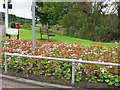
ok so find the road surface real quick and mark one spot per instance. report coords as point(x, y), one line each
point(7, 83)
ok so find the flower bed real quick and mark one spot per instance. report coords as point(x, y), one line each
point(60, 69)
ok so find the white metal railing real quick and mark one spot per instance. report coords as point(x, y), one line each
point(59, 59)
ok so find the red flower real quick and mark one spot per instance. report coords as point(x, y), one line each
point(116, 70)
point(116, 50)
point(70, 53)
point(93, 59)
point(39, 58)
point(35, 68)
point(10, 51)
point(76, 52)
point(48, 69)
point(37, 53)
point(117, 60)
point(41, 66)
point(99, 46)
point(55, 66)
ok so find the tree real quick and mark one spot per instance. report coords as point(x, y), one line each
point(75, 22)
point(12, 24)
point(50, 13)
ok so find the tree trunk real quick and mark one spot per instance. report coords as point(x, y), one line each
point(48, 32)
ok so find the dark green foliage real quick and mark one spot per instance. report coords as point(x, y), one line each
point(84, 23)
point(26, 25)
point(20, 20)
point(50, 13)
point(76, 22)
point(12, 25)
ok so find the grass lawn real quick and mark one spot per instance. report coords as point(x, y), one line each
point(27, 35)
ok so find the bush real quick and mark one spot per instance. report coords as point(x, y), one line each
point(12, 25)
point(26, 25)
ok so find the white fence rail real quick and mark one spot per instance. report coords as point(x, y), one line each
point(60, 59)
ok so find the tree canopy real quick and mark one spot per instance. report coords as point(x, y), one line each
point(50, 13)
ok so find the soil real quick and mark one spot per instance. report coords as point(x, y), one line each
point(82, 84)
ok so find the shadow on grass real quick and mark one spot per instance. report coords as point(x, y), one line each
point(45, 40)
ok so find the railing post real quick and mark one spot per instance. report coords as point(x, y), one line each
point(5, 63)
point(73, 72)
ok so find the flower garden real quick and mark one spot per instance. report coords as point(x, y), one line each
point(60, 69)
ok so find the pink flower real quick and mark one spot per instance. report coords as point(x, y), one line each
point(86, 71)
point(1, 60)
point(95, 71)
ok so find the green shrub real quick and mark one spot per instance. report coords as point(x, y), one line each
point(12, 25)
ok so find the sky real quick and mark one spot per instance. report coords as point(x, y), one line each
point(21, 8)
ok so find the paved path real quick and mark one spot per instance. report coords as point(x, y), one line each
point(6, 83)
point(18, 85)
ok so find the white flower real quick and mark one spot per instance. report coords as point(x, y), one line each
point(48, 62)
point(86, 53)
point(22, 52)
point(73, 55)
point(110, 76)
point(113, 52)
point(102, 70)
point(109, 66)
point(95, 53)
point(80, 72)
